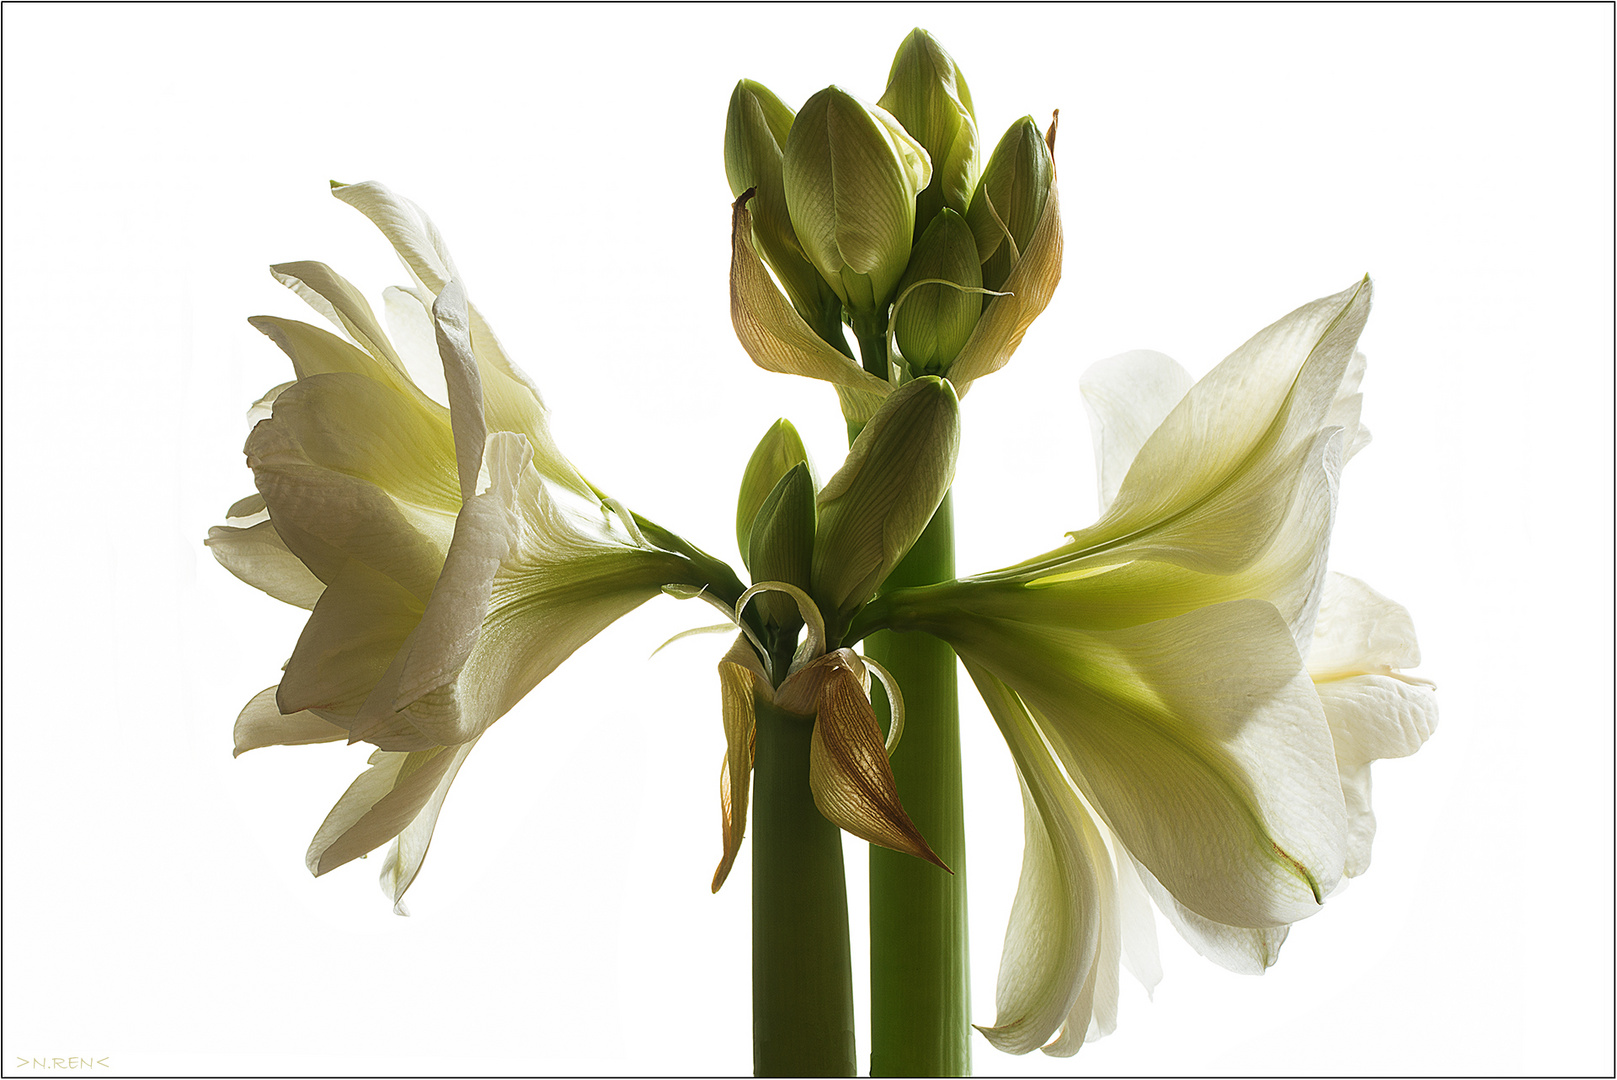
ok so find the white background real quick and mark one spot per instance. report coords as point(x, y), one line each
point(1218, 168)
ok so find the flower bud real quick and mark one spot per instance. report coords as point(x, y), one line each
point(777, 453)
point(932, 322)
point(754, 134)
point(927, 94)
point(781, 547)
point(1011, 199)
point(871, 512)
point(851, 174)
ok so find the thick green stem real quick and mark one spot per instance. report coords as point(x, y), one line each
point(802, 973)
point(919, 970)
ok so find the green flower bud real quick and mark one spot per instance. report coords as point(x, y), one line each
point(754, 133)
point(933, 322)
point(777, 453)
point(874, 508)
point(1016, 182)
point(928, 95)
point(852, 174)
point(781, 547)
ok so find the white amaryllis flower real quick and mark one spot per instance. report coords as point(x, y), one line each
point(1150, 676)
point(450, 555)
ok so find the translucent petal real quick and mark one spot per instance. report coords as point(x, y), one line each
point(511, 401)
point(379, 805)
point(1136, 922)
point(1359, 630)
point(442, 642)
point(1377, 716)
point(1047, 968)
point(314, 351)
point(329, 293)
point(261, 724)
point(353, 635)
point(1200, 741)
point(409, 325)
point(409, 850)
point(1253, 409)
point(1243, 950)
point(1344, 411)
point(258, 556)
point(1128, 397)
point(465, 387)
point(361, 428)
point(1266, 536)
point(1361, 819)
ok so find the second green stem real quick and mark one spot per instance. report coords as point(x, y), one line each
point(919, 968)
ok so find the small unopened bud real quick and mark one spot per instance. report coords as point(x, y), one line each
point(932, 322)
point(927, 93)
point(851, 175)
point(875, 507)
point(1010, 199)
point(755, 131)
point(777, 453)
point(781, 547)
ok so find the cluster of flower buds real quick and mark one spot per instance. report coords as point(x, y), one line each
point(883, 217)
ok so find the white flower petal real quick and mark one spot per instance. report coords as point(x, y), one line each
point(1128, 397)
point(264, 407)
point(248, 511)
point(258, 556)
point(379, 805)
point(353, 635)
point(1344, 411)
point(261, 724)
point(464, 385)
point(1358, 630)
point(1247, 414)
point(1377, 716)
point(439, 646)
point(410, 326)
point(1136, 922)
point(407, 228)
point(485, 536)
point(511, 401)
point(329, 293)
point(1361, 819)
point(1200, 741)
point(1047, 973)
point(1243, 950)
point(409, 850)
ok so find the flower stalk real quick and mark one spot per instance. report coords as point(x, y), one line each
point(802, 971)
point(919, 966)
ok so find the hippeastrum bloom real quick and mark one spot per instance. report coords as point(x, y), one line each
point(1152, 676)
point(450, 555)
